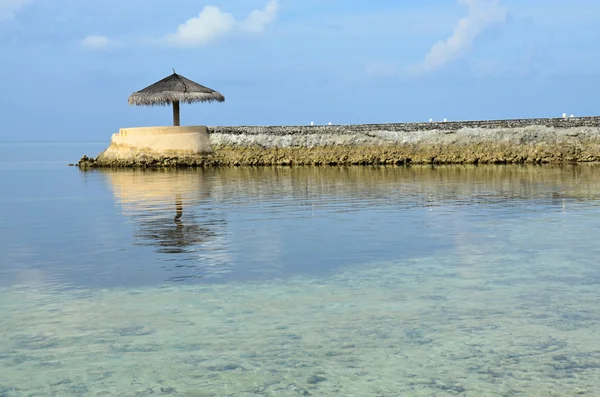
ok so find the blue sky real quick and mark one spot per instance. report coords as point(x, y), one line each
point(68, 66)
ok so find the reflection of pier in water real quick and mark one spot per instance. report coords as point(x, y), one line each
point(172, 214)
point(182, 214)
point(411, 186)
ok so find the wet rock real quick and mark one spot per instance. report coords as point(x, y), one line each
point(106, 375)
point(314, 379)
point(8, 391)
point(134, 331)
point(416, 337)
point(79, 389)
point(35, 342)
point(86, 162)
point(145, 348)
point(226, 367)
point(62, 382)
point(21, 358)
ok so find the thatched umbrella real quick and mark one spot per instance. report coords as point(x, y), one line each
point(173, 90)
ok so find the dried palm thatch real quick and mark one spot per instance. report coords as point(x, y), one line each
point(173, 90)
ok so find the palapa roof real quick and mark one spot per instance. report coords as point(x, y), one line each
point(174, 88)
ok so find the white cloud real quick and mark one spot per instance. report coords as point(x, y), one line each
point(483, 14)
point(212, 24)
point(8, 8)
point(258, 20)
point(95, 42)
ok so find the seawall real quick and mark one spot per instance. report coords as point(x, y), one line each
point(468, 142)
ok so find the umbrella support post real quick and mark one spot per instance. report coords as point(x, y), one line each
point(178, 208)
point(176, 113)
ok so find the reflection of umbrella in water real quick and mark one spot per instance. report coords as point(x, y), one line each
point(174, 235)
point(148, 197)
point(178, 208)
point(184, 237)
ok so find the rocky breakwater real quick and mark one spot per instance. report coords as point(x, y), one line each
point(468, 142)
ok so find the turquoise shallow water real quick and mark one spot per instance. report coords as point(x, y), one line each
point(373, 281)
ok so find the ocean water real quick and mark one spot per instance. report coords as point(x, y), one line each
point(313, 281)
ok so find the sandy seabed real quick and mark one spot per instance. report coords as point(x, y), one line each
point(483, 320)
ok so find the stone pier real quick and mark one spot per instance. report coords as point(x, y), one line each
point(551, 140)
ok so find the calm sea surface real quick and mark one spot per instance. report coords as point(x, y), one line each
point(332, 281)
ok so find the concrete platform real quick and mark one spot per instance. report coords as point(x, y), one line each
point(159, 141)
